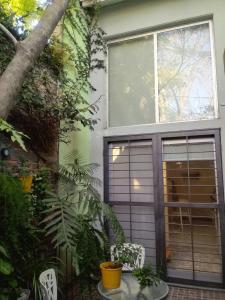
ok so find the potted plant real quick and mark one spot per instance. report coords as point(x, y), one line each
point(146, 277)
point(123, 254)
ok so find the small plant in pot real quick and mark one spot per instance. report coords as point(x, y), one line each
point(123, 255)
point(146, 276)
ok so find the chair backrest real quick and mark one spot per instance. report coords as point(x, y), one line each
point(48, 284)
point(140, 257)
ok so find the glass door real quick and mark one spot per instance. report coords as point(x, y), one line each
point(130, 191)
point(191, 210)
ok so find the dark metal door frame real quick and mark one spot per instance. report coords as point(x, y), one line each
point(221, 206)
point(159, 192)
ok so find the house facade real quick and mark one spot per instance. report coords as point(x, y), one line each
point(161, 136)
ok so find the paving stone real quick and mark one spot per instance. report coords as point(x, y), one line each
point(182, 293)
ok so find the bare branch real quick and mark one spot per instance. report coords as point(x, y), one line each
point(9, 34)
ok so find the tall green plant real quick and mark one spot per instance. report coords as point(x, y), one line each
point(75, 218)
point(28, 251)
point(14, 209)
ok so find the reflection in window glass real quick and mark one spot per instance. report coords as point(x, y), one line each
point(131, 82)
point(185, 74)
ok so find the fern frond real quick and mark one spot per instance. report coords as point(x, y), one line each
point(60, 221)
point(76, 172)
point(75, 219)
point(114, 223)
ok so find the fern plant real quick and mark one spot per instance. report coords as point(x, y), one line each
point(75, 218)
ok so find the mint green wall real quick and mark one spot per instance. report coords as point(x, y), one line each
point(80, 140)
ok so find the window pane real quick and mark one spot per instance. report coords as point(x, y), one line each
point(189, 171)
point(131, 82)
point(131, 172)
point(138, 223)
point(185, 74)
point(193, 243)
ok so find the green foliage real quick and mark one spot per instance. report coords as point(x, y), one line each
point(40, 188)
point(5, 265)
point(14, 208)
point(21, 7)
point(16, 136)
point(61, 222)
point(126, 254)
point(50, 95)
point(14, 216)
point(28, 250)
point(146, 276)
point(74, 219)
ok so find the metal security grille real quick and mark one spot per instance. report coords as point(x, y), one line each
point(192, 231)
point(131, 193)
point(167, 192)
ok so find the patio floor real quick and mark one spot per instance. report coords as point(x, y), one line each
point(183, 293)
point(175, 293)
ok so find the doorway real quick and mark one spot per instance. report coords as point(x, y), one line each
point(192, 230)
point(167, 192)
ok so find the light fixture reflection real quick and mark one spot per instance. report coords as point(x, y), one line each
point(115, 153)
point(136, 184)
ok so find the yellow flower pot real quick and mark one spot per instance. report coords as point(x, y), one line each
point(111, 276)
point(26, 182)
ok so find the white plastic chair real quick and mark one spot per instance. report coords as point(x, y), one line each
point(48, 284)
point(140, 257)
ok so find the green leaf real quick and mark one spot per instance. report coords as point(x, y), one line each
point(13, 283)
point(16, 136)
point(3, 296)
point(5, 267)
point(3, 251)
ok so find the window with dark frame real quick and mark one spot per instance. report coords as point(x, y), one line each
point(192, 232)
point(131, 192)
point(187, 215)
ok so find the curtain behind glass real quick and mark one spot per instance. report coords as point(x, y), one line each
point(131, 82)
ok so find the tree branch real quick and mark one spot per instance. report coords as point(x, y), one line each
point(27, 51)
point(9, 34)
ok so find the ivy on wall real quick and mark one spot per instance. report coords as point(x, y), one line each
point(55, 92)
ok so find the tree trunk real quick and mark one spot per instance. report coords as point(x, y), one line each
point(27, 52)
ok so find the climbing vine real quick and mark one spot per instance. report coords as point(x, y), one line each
point(53, 101)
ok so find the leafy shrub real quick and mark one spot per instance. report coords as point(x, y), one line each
point(146, 276)
point(14, 209)
point(28, 250)
point(75, 218)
